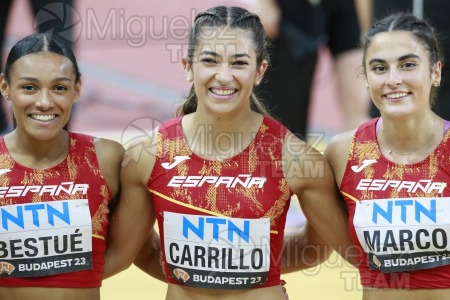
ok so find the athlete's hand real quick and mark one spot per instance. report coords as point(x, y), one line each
point(283, 283)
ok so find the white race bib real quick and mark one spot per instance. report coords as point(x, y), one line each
point(404, 234)
point(45, 238)
point(217, 252)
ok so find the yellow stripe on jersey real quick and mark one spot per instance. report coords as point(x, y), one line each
point(350, 196)
point(194, 207)
point(98, 236)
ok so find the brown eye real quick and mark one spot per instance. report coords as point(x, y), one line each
point(378, 68)
point(28, 87)
point(60, 88)
point(408, 65)
point(208, 60)
point(240, 63)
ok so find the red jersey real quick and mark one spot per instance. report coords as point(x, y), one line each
point(53, 222)
point(221, 222)
point(398, 214)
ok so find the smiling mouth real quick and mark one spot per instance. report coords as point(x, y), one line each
point(396, 96)
point(43, 118)
point(223, 92)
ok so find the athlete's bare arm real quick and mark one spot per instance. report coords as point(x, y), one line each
point(311, 178)
point(133, 218)
point(337, 152)
point(303, 249)
point(149, 259)
point(109, 156)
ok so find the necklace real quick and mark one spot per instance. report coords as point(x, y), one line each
point(415, 149)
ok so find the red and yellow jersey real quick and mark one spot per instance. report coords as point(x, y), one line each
point(398, 214)
point(53, 222)
point(221, 222)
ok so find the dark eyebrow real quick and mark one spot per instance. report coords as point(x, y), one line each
point(209, 53)
point(212, 53)
point(241, 55)
point(376, 60)
point(36, 80)
point(407, 56)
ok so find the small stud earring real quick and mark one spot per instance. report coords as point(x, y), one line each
point(5, 95)
point(437, 83)
point(75, 100)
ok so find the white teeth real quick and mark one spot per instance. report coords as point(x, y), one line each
point(222, 92)
point(43, 118)
point(396, 95)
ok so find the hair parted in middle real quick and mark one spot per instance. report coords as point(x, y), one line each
point(221, 17)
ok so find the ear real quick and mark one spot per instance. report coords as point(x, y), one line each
point(187, 70)
point(4, 87)
point(436, 74)
point(78, 89)
point(260, 72)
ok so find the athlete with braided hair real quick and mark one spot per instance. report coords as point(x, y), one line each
point(218, 178)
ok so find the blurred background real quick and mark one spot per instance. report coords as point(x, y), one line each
point(129, 54)
point(130, 58)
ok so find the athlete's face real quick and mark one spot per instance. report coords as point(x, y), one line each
point(224, 70)
point(42, 90)
point(399, 73)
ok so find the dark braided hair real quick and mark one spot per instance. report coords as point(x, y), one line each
point(220, 17)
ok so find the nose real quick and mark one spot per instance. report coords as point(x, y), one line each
point(223, 75)
point(44, 101)
point(394, 77)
